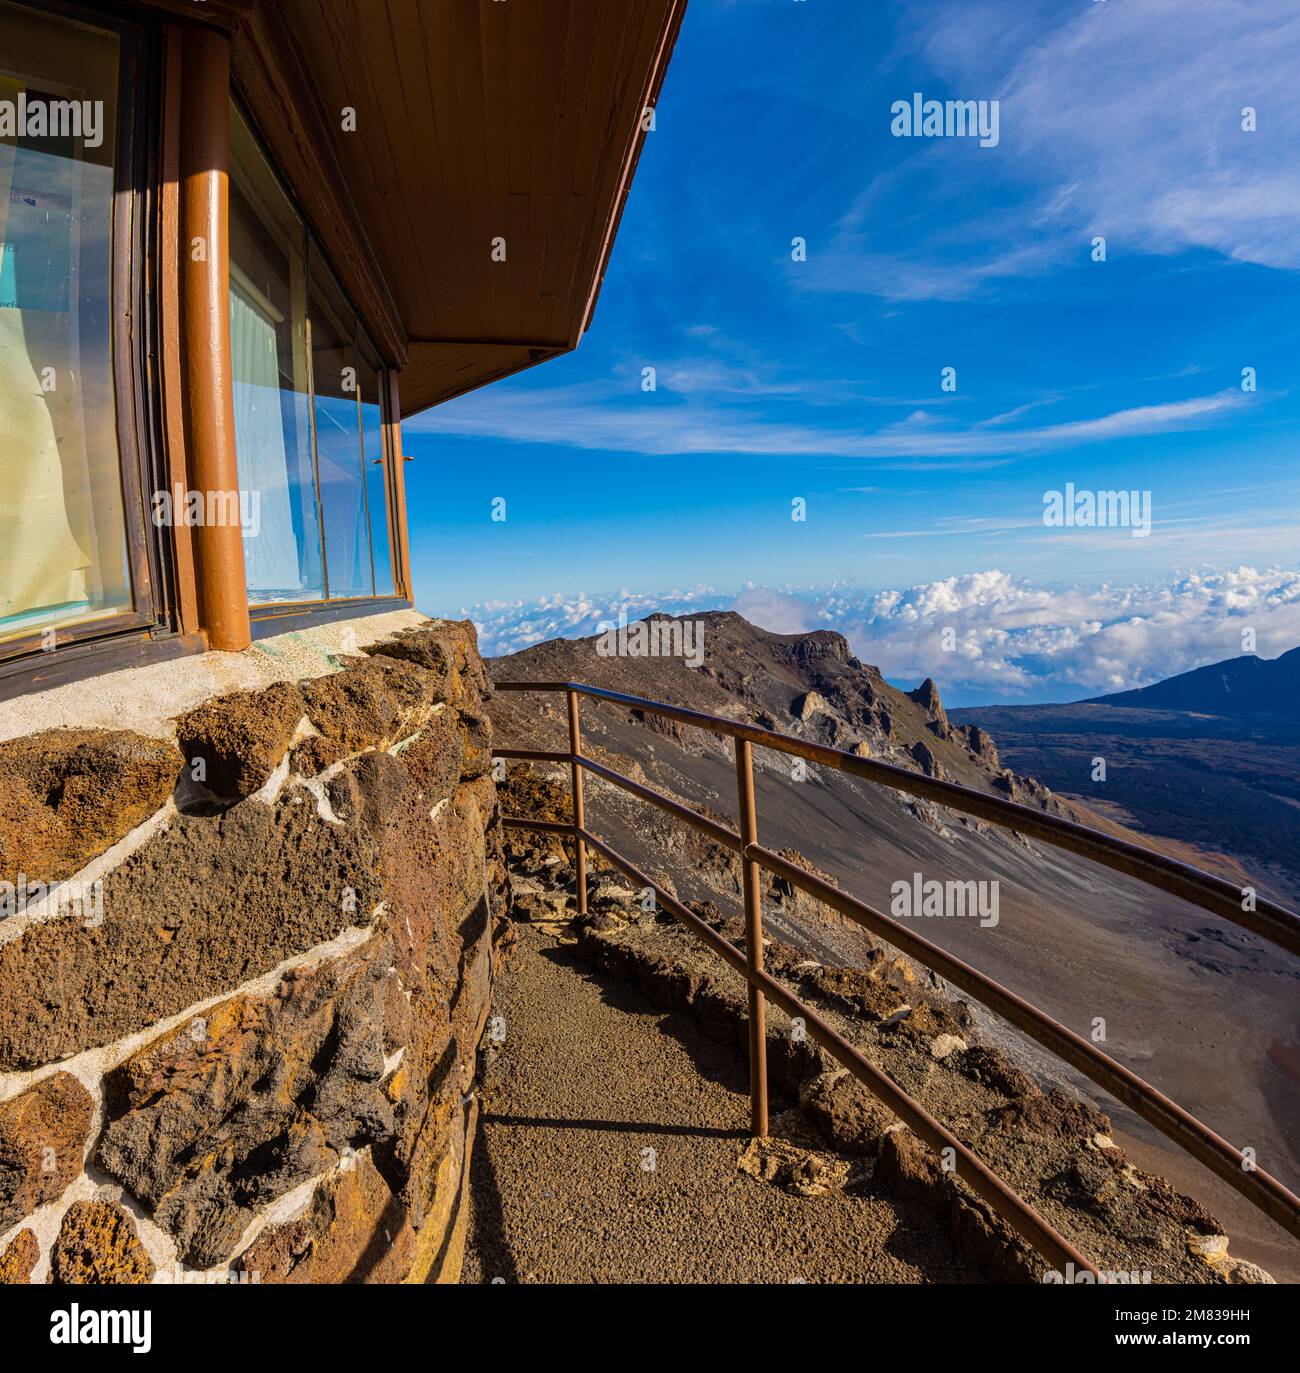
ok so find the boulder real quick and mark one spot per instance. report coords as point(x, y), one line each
point(97, 1243)
point(18, 1259)
point(232, 1109)
point(67, 795)
point(240, 738)
point(353, 1230)
point(43, 1135)
point(845, 1112)
point(373, 704)
point(809, 704)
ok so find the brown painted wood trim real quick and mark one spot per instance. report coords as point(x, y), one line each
point(205, 299)
point(654, 84)
point(77, 662)
point(170, 370)
point(225, 14)
point(396, 459)
point(270, 77)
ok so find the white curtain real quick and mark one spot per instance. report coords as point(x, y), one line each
point(271, 555)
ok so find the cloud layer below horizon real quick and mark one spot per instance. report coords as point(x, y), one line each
point(1010, 639)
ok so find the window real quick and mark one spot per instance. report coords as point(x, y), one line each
point(370, 381)
point(270, 369)
point(309, 414)
point(63, 528)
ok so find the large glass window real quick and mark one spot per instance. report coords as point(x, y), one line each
point(268, 346)
point(370, 380)
point(338, 437)
point(63, 553)
point(308, 403)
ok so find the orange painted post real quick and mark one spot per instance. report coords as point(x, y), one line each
point(579, 815)
point(753, 941)
point(205, 322)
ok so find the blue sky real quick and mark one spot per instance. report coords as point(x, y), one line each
point(821, 379)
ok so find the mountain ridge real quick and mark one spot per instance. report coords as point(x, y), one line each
point(1235, 687)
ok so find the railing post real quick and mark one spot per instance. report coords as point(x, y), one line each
point(753, 941)
point(579, 815)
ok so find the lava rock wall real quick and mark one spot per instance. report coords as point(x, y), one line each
point(244, 976)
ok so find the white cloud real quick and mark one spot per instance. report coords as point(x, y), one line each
point(509, 626)
point(1120, 119)
point(589, 418)
point(1012, 639)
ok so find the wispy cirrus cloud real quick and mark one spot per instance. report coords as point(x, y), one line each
point(598, 417)
point(1120, 120)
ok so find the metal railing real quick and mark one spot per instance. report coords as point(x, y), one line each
point(1214, 894)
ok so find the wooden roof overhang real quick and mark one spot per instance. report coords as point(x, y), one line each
point(475, 120)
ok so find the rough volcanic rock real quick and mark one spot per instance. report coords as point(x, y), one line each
point(980, 744)
point(43, 1133)
point(240, 738)
point(1134, 1205)
point(809, 704)
point(799, 1171)
point(201, 907)
point(1057, 1115)
point(369, 790)
point(846, 1113)
point(233, 1109)
point(315, 754)
point(97, 1243)
point(448, 650)
point(18, 1259)
point(375, 702)
point(995, 1069)
point(436, 760)
point(67, 795)
point(927, 697)
point(924, 758)
point(476, 732)
point(353, 1230)
point(855, 990)
point(436, 871)
point(913, 1169)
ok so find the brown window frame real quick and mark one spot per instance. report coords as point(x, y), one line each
point(135, 356)
point(326, 607)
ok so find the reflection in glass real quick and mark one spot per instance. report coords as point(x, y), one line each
point(62, 530)
point(268, 345)
point(369, 381)
point(338, 437)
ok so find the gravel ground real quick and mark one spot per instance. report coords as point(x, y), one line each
point(607, 1152)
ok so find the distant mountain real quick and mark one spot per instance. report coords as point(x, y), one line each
point(1211, 756)
point(1236, 687)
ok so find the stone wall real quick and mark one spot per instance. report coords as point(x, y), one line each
point(238, 1035)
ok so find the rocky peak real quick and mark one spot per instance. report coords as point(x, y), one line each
point(927, 697)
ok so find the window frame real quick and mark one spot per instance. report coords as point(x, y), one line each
point(135, 272)
point(325, 605)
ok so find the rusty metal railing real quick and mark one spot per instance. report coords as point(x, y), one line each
point(1214, 894)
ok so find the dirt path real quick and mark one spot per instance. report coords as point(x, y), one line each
point(607, 1152)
